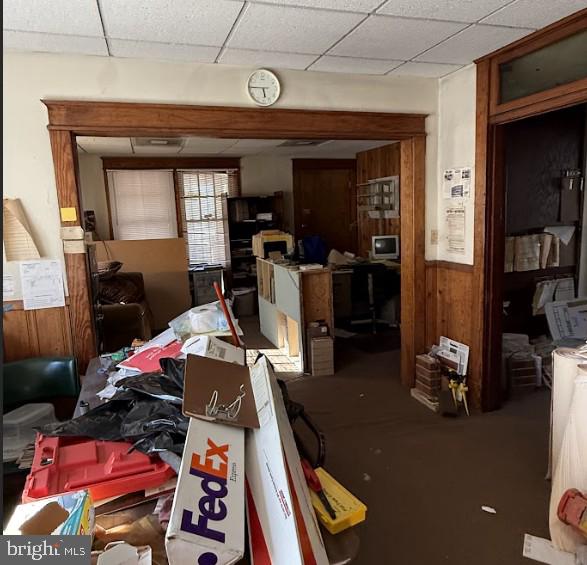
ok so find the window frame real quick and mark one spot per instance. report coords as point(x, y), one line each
point(565, 94)
point(176, 164)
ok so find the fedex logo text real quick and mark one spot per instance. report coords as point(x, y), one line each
point(213, 471)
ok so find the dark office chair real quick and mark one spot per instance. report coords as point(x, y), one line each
point(367, 293)
point(42, 379)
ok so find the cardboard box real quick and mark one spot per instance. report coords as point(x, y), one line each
point(205, 377)
point(207, 517)
point(322, 356)
point(214, 348)
point(283, 527)
point(66, 514)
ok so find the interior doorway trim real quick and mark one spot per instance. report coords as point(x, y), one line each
point(68, 119)
point(489, 188)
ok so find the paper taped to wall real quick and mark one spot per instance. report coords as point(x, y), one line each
point(19, 244)
point(456, 183)
point(8, 287)
point(42, 284)
point(455, 233)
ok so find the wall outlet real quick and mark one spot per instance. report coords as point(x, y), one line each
point(433, 237)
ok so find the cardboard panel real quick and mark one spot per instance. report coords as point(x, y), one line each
point(164, 265)
point(287, 292)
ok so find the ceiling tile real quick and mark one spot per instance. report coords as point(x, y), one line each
point(355, 65)
point(384, 37)
point(473, 42)
point(53, 43)
point(535, 13)
point(164, 51)
point(252, 146)
point(364, 6)
point(105, 145)
point(430, 70)
point(206, 145)
point(291, 30)
point(61, 17)
point(274, 59)
point(205, 22)
point(454, 10)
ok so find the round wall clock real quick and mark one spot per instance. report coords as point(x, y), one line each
point(263, 87)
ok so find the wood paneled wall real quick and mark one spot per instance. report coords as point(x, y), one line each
point(36, 333)
point(449, 306)
point(376, 163)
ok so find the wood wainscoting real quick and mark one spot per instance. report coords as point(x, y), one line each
point(36, 333)
point(449, 306)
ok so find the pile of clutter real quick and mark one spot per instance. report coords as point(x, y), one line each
point(441, 377)
point(185, 424)
point(526, 363)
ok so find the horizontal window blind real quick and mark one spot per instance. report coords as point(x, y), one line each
point(203, 206)
point(142, 204)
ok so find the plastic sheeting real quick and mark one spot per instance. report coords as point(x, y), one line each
point(569, 440)
point(145, 411)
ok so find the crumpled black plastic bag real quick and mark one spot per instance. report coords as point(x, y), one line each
point(145, 411)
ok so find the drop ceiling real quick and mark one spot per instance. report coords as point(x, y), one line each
point(210, 147)
point(427, 38)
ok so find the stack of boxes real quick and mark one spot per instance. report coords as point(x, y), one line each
point(320, 351)
point(428, 376)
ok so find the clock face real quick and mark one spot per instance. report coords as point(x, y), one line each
point(263, 87)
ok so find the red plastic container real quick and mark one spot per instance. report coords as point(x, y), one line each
point(105, 468)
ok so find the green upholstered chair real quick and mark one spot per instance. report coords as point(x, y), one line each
point(42, 379)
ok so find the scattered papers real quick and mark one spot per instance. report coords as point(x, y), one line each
point(567, 319)
point(489, 509)
point(564, 233)
point(540, 549)
point(42, 284)
point(147, 359)
point(19, 244)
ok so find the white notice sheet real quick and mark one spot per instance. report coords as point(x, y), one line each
point(455, 230)
point(42, 284)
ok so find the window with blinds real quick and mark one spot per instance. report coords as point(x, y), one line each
point(202, 195)
point(142, 204)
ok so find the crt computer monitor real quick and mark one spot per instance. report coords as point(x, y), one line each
point(385, 247)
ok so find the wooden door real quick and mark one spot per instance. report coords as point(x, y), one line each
point(324, 201)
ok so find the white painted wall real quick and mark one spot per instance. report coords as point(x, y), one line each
point(28, 77)
point(265, 174)
point(91, 178)
point(456, 148)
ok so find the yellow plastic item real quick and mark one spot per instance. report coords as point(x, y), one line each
point(349, 509)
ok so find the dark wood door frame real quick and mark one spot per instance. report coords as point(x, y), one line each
point(489, 187)
point(68, 119)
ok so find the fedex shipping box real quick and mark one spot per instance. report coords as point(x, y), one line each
point(207, 518)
